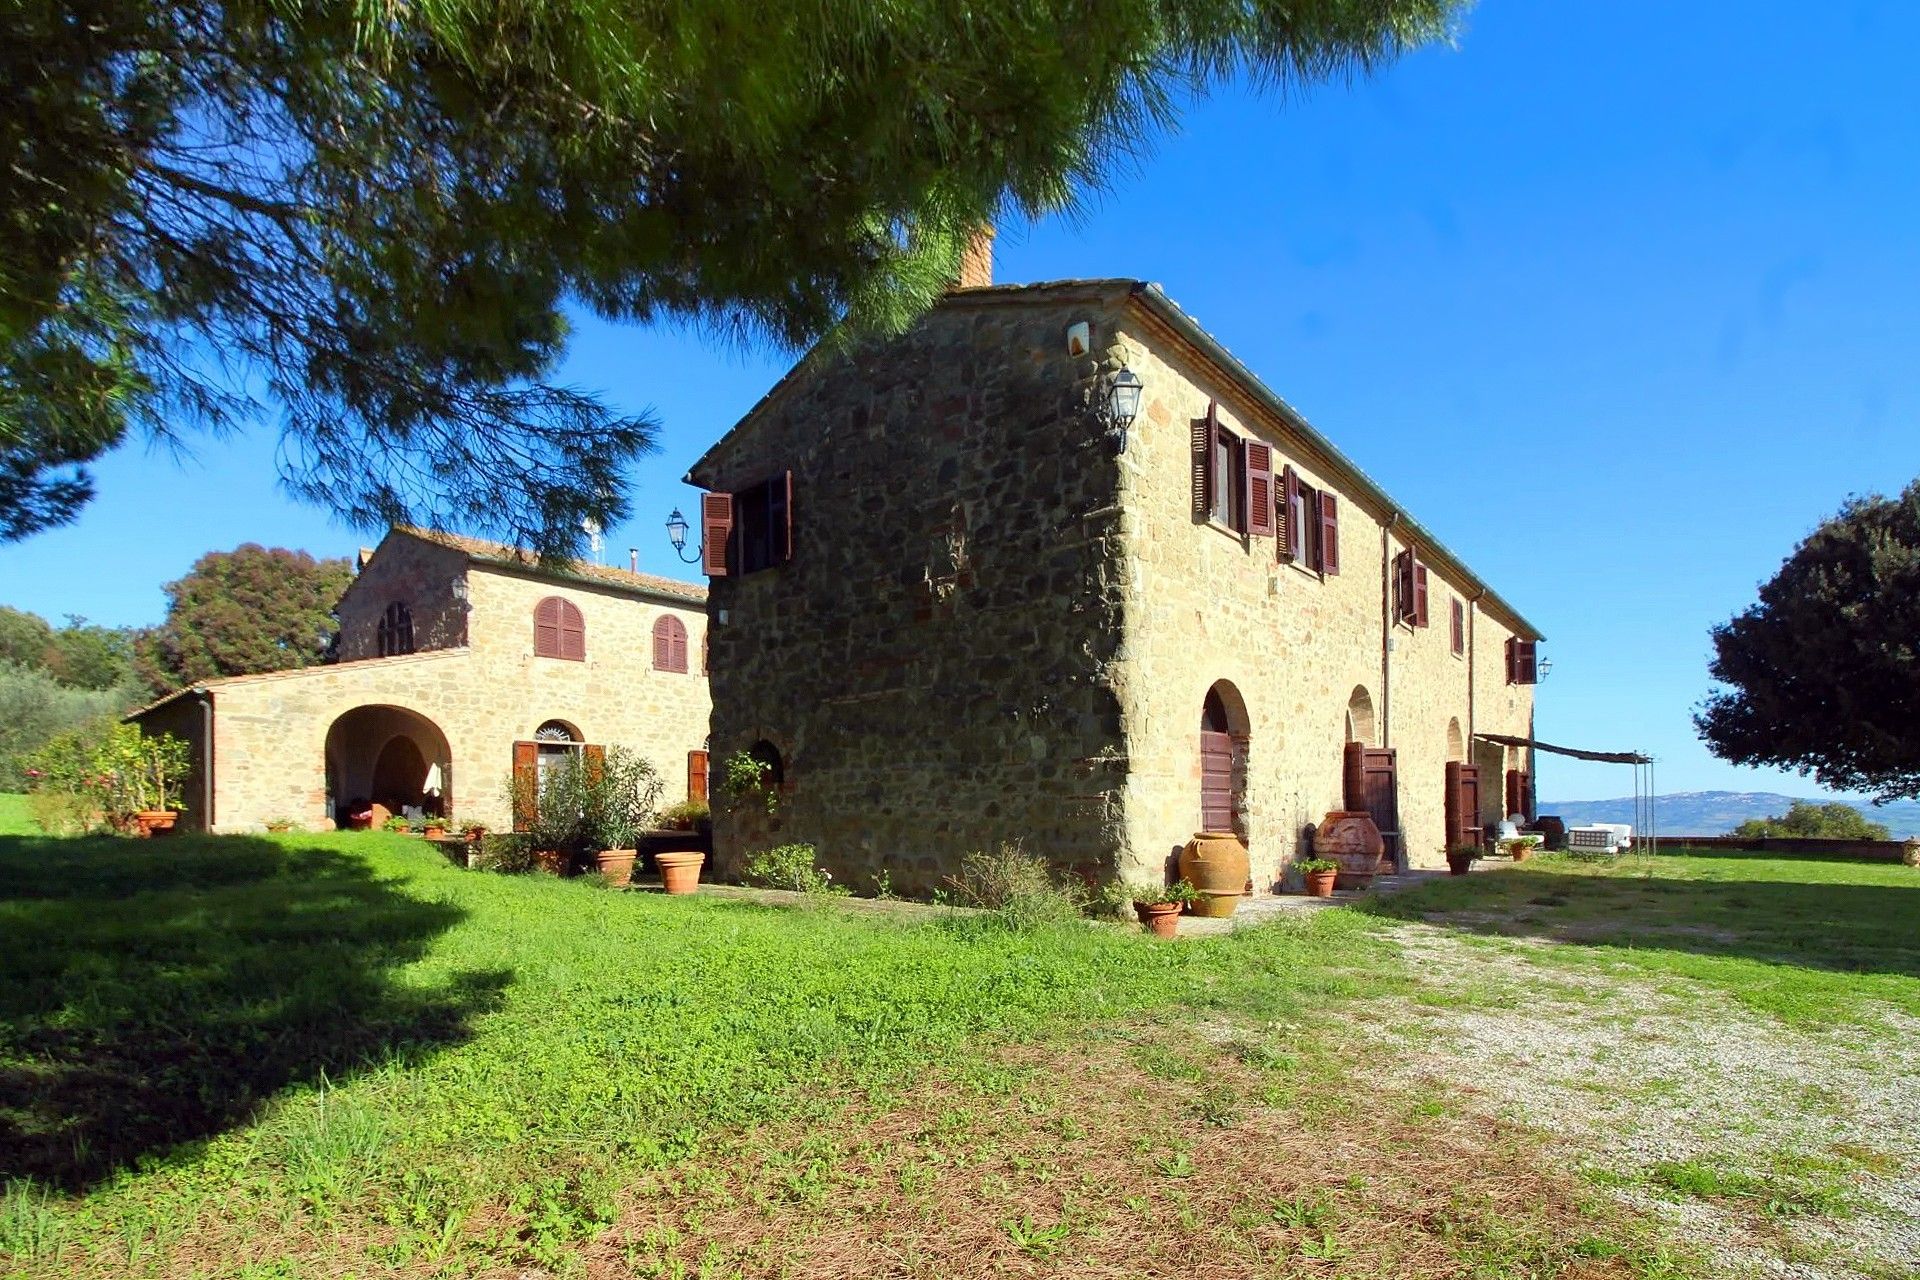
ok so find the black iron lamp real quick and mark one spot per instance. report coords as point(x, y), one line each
point(677, 534)
point(1123, 406)
point(1546, 667)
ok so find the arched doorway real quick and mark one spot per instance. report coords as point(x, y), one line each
point(1224, 740)
point(391, 756)
point(1360, 716)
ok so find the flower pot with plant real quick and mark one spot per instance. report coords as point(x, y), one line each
point(1461, 857)
point(1159, 905)
point(434, 828)
point(549, 808)
point(1520, 848)
point(1318, 875)
point(398, 825)
point(618, 796)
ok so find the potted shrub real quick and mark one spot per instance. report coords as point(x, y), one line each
point(688, 815)
point(1461, 857)
point(434, 828)
point(1159, 905)
point(618, 794)
point(146, 776)
point(1520, 848)
point(398, 824)
point(551, 808)
point(1319, 875)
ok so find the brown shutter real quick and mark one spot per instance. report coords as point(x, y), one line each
point(1463, 804)
point(546, 628)
point(1329, 533)
point(1515, 792)
point(716, 530)
point(1403, 586)
point(594, 757)
point(573, 632)
point(780, 516)
point(1527, 802)
point(679, 645)
point(1419, 594)
point(1290, 513)
point(697, 777)
point(662, 646)
point(1202, 432)
point(1457, 626)
point(1259, 489)
point(526, 777)
point(1526, 665)
point(1353, 777)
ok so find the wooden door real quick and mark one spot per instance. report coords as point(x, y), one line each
point(1216, 780)
point(1463, 804)
point(1372, 786)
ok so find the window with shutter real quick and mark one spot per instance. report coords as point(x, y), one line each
point(763, 522)
point(1311, 541)
point(1403, 587)
point(1200, 433)
point(669, 644)
point(1228, 485)
point(1522, 661)
point(716, 531)
point(1419, 594)
point(697, 777)
point(1291, 515)
point(1458, 627)
point(1329, 533)
point(559, 630)
point(1259, 496)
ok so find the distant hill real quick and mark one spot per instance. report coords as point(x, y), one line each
point(1712, 813)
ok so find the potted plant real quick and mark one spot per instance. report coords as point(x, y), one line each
point(1159, 905)
point(618, 795)
point(680, 869)
point(1319, 875)
point(1461, 857)
point(149, 776)
point(688, 815)
point(549, 807)
point(1520, 848)
point(398, 824)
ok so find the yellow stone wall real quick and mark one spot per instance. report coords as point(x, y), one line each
point(271, 731)
point(1204, 605)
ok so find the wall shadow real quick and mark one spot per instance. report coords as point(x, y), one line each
point(158, 992)
point(1814, 923)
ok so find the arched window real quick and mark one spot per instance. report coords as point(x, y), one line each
point(669, 644)
point(557, 741)
point(559, 631)
point(773, 770)
point(395, 632)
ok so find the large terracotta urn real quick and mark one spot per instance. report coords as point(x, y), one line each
point(1348, 837)
point(1215, 863)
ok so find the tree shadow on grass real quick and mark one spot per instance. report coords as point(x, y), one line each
point(1821, 922)
point(157, 992)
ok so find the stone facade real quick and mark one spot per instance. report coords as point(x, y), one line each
point(293, 743)
point(997, 623)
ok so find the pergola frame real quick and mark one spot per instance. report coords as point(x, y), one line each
point(1646, 824)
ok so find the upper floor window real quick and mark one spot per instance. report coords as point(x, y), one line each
point(559, 631)
point(669, 644)
point(1232, 478)
point(394, 634)
point(748, 531)
point(1409, 589)
point(1310, 520)
point(1523, 661)
point(1459, 614)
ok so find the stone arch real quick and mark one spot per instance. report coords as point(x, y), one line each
point(390, 755)
point(1360, 723)
point(1456, 741)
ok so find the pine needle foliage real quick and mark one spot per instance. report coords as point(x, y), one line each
point(369, 219)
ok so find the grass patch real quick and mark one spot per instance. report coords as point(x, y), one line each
point(1810, 942)
point(226, 1050)
point(15, 819)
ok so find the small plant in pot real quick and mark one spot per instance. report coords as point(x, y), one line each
point(399, 825)
point(1318, 875)
point(1159, 905)
point(1461, 857)
point(434, 828)
point(618, 796)
point(1520, 848)
point(548, 810)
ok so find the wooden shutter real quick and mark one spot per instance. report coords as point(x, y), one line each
point(1202, 433)
point(1353, 776)
point(526, 780)
point(1463, 804)
point(1329, 516)
point(679, 654)
point(1515, 793)
point(1419, 594)
point(697, 777)
point(716, 530)
point(1457, 626)
point(1290, 513)
point(1259, 468)
point(779, 518)
point(1522, 663)
point(573, 632)
point(662, 645)
point(594, 757)
point(1403, 586)
point(546, 628)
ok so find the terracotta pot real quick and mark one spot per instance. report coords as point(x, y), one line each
point(616, 866)
point(1215, 906)
point(551, 861)
point(1458, 864)
point(433, 832)
point(1215, 862)
point(1320, 883)
point(1348, 837)
point(1161, 918)
point(680, 872)
point(154, 822)
point(1521, 852)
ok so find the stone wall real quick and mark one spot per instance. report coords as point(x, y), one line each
point(931, 662)
point(417, 574)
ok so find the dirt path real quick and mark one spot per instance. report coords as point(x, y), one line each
point(1788, 1151)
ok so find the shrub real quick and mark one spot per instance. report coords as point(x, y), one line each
point(688, 815)
point(1149, 894)
point(508, 852)
point(790, 866)
point(59, 813)
point(115, 770)
point(1017, 888)
point(618, 793)
point(35, 708)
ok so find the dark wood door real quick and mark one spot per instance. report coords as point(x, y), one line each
point(1216, 781)
point(1463, 804)
point(1371, 786)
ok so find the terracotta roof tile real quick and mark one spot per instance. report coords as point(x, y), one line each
point(514, 557)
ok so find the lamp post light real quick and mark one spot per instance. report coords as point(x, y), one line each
point(1123, 406)
point(1546, 667)
point(677, 534)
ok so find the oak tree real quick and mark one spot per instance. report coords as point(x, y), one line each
point(244, 611)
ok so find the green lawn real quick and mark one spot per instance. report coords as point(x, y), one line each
point(346, 1030)
point(1809, 941)
point(13, 816)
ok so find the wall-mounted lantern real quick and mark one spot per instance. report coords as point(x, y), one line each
point(677, 534)
point(1123, 406)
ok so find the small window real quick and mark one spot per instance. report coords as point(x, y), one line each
point(1409, 589)
point(1304, 514)
point(559, 631)
point(1523, 661)
point(1459, 628)
point(763, 524)
point(394, 635)
point(669, 644)
point(1227, 490)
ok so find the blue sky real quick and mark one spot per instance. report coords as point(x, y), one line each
point(1619, 297)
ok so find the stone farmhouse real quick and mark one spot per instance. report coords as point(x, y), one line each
point(955, 600)
point(460, 661)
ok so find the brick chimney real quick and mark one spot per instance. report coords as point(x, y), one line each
point(976, 261)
